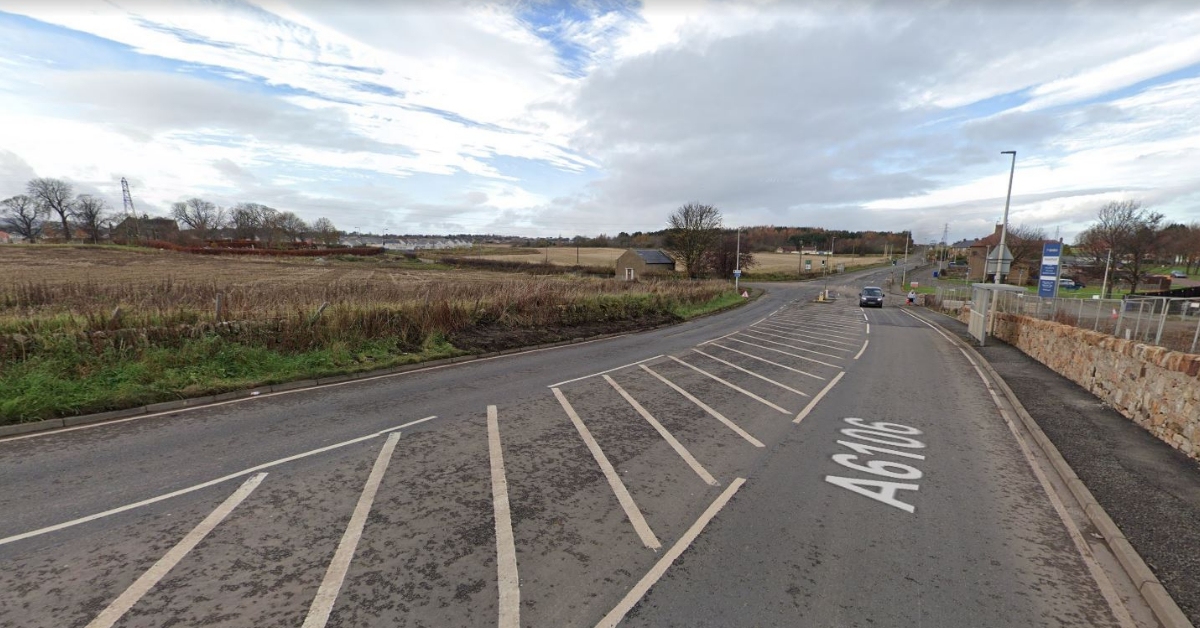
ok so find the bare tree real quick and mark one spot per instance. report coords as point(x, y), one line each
point(92, 213)
point(23, 216)
point(1130, 232)
point(723, 258)
point(269, 229)
point(692, 232)
point(1025, 243)
point(292, 226)
point(246, 220)
point(54, 195)
point(325, 232)
point(200, 215)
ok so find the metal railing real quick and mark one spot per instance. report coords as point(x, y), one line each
point(1169, 322)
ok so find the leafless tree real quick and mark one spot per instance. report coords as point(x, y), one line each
point(325, 232)
point(1025, 243)
point(292, 226)
point(692, 232)
point(92, 213)
point(723, 258)
point(1130, 232)
point(202, 216)
point(246, 220)
point(23, 216)
point(269, 229)
point(54, 195)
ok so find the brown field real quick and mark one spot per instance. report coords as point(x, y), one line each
point(764, 262)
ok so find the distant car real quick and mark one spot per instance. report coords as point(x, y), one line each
point(1178, 274)
point(1068, 284)
point(870, 296)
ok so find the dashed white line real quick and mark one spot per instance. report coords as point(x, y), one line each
point(506, 550)
point(615, 368)
point(614, 480)
point(117, 609)
point(703, 406)
point(667, 436)
point(732, 385)
point(335, 574)
point(752, 373)
point(821, 395)
point(190, 489)
point(640, 589)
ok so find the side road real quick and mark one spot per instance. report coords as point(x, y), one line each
point(1150, 490)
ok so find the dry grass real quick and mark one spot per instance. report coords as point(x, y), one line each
point(764, 262)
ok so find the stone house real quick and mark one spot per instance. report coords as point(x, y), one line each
point(635, 263)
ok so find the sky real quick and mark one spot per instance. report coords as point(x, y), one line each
point(547, 118)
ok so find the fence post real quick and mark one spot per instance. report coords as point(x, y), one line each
point(1120, 317)
point(1162, 320)
point(316, 315)
point(220, 306)
point(1196, 336)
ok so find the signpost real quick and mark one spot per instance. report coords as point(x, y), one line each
point(1051, 269)
point(807, 265)
point(999, 261)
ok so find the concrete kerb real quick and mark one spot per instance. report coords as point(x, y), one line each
point(1164, 607)
point(308, 384)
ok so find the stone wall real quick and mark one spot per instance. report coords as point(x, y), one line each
point(1156, 388)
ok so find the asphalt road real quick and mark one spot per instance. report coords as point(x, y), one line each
point(787, 463)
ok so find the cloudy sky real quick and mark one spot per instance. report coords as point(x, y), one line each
point(547, 118)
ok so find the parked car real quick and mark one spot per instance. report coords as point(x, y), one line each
point(1068, 284)
point(1178, 274)
point(870, 296)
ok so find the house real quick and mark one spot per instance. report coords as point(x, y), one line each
point(635, 263)
point(146, 228)
point(5, 238)
point(1027, 256)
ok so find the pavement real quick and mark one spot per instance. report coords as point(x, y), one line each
point(1149, 489)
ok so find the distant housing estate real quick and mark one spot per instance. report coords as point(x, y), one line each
point(407, 244)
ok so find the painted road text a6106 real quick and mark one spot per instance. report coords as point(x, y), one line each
point(879, 439)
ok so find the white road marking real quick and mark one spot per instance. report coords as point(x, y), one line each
point(717, 415)
point(808, 342)
point(801, 332)
point(506, 550)
point(784, 344)
point(640, 589)
point(928, 324)
point(819, 330)
point(335, 574)
point(716, 339)
point(117, 609)
point(206, 406)
point(733, 386)
point(865, 315)
point(662, 431)
point(616, 368)
point(1105, 585)
point(782, 366)
point(614, 480)
point(794, 355)
point(868, 329)
point(777, 351)
point(190, 489)
point(864, 348)
point(815, 400)
point(752, 373)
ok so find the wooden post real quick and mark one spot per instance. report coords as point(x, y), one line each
point(317, 314)
point(220, 306)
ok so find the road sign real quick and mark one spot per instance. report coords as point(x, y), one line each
point(737, 273)
point(1051, 269)
point(999, 258)
point(807, 264)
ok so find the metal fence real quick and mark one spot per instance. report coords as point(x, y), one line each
point(1169, 322)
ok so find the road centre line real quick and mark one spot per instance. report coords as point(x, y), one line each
point(656, 572)
point(813, 343)
point(782, 366)
point(752, 373)
point(1103, 583)
point(868, 329)
point(732, 385)
point(805, 334)
point(703, 406)
point(335, 574)
point(821, 395)
point(615, 368)
point(9, 439)
point(797, 348)
point(864, 348)
point(662, 431)
point(794, 355)
point(202, 485)
point(507, 580)
point(614, 480)
point(716, 339)
point(118, 607)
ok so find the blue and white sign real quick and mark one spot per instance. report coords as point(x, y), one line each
point(737, 273)
point(1051, 268)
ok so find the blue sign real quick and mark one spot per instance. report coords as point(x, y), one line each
point(1048, 277)
point(737, 273)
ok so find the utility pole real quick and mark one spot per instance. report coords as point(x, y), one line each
point(737, 261)
point(127, 201)
point(1104, 284)
point(904, 270)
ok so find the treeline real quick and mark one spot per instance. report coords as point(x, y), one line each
point(50, 210)
point(1135, 239)
point(757, 239)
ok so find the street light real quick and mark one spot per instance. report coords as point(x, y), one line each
point(1004, 226)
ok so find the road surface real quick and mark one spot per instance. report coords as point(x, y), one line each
point(790, 463)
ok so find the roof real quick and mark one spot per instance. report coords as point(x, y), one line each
point(654, 256)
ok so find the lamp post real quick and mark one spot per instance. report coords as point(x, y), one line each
point(737, 260)
point(1104, 284)
point(1004, 226)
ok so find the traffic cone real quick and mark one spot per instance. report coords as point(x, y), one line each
point(1114, 313)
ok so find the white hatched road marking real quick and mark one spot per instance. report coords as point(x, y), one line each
point(190, 489)
point(662, 431)
point(821, 395)
point(732, 385)
point(807, 342)
point(837, 340)
point(819, 331)
point(507, 580)
point(794, 355)
point(117, 609)
point(752, 373)
point(335, 574)
point(614, 480)
point(703, 406)
point(782, 366)
point(615, 368)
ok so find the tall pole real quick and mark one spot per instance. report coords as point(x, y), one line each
point(1004, 226)
point(1104, 284)
point(737, 261)
point(904, 269)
